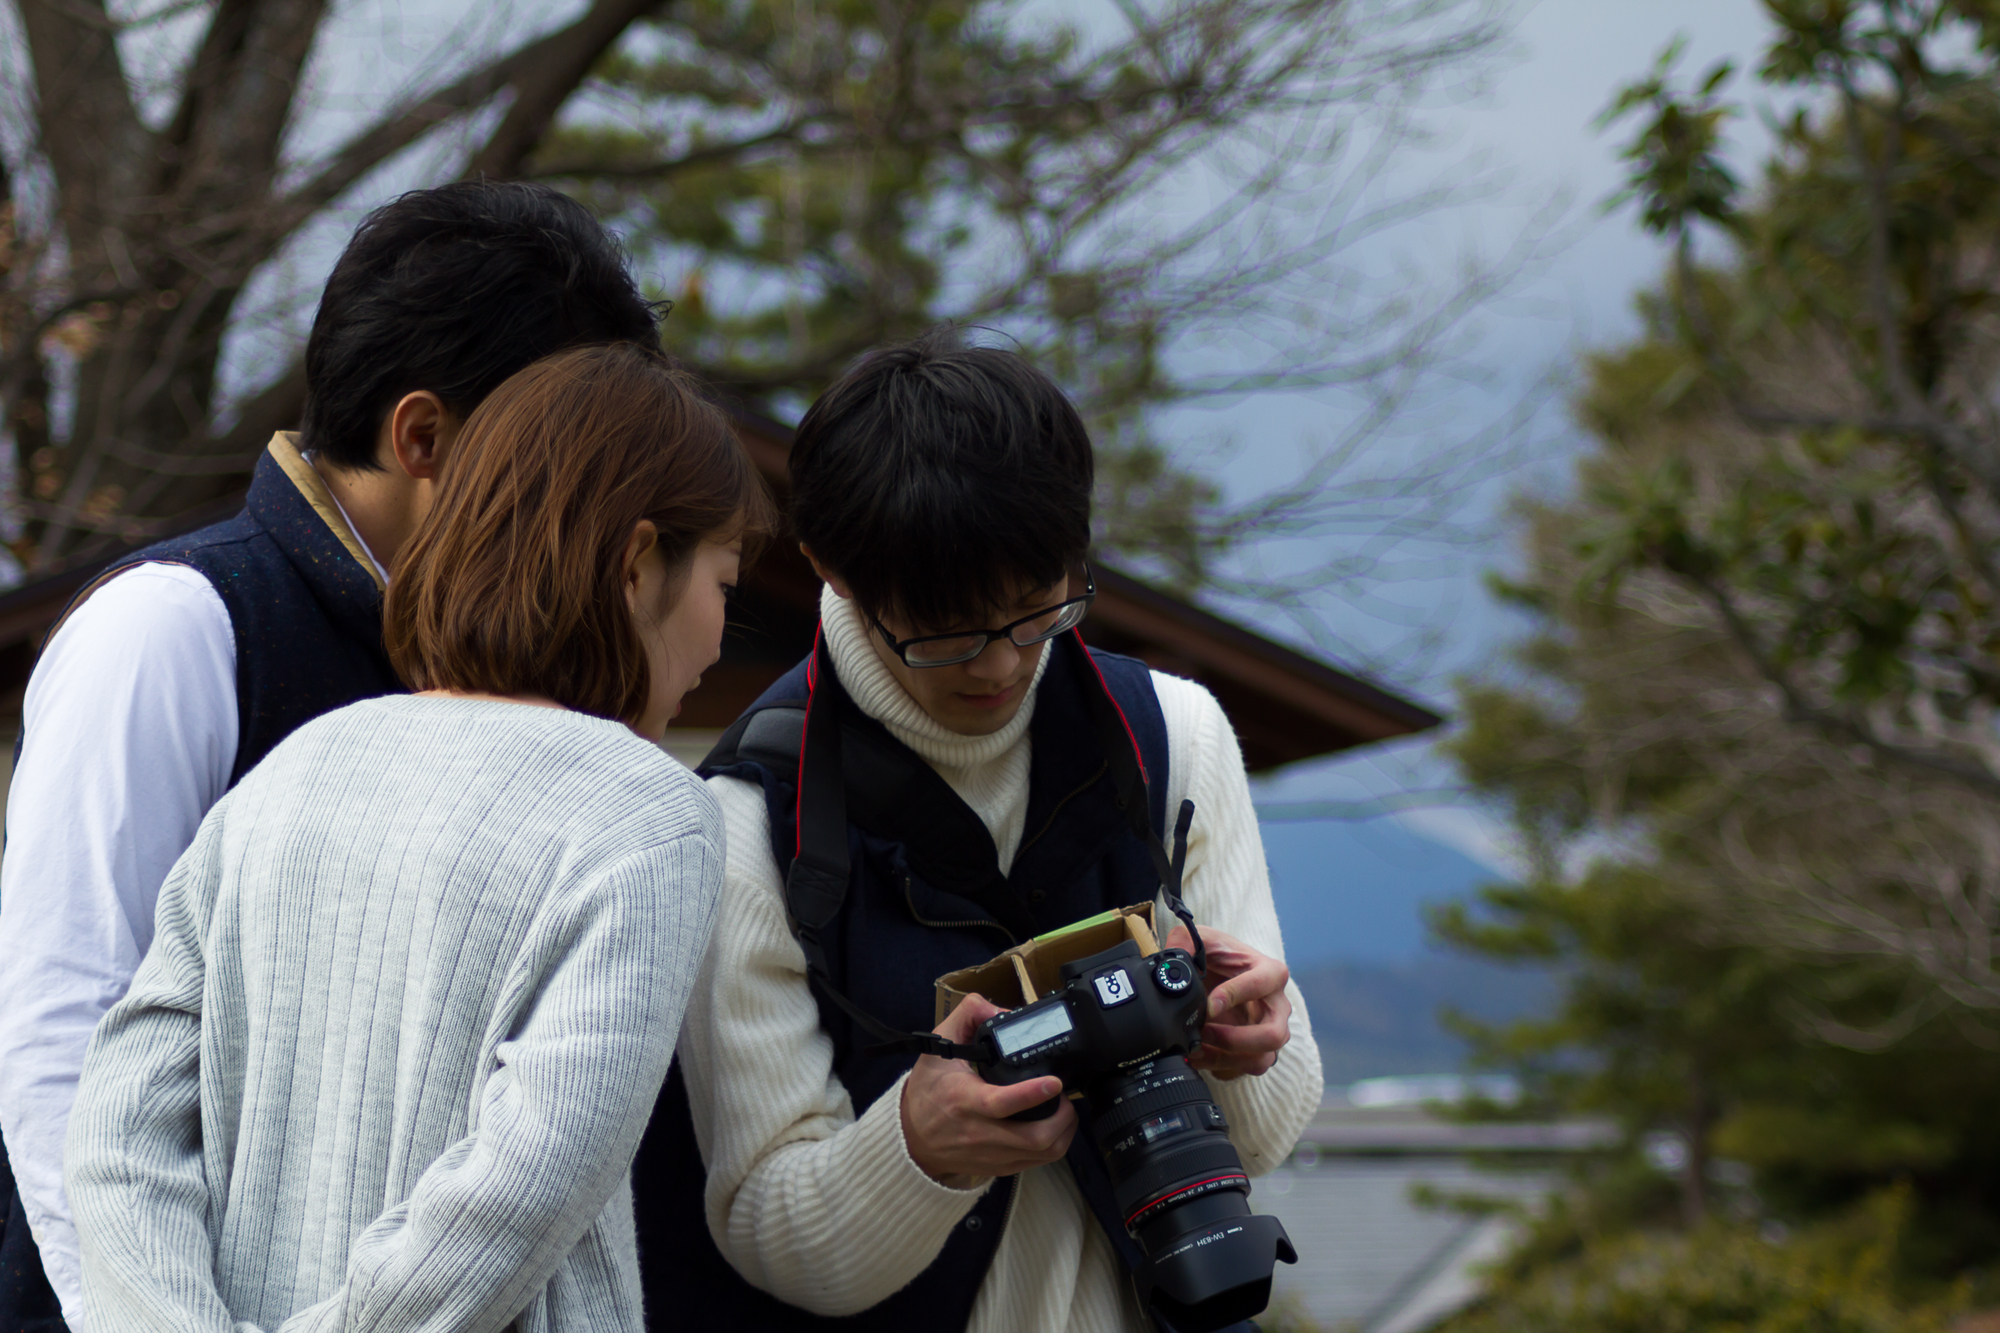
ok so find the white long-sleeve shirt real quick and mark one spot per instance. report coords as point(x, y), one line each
point(414, 990)
point(130, 735)
point(828, 1211)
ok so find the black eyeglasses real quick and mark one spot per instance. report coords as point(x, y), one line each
point(936, 650)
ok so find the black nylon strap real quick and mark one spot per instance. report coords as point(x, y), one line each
point(1122, 752)
point(1170, 888)
point(886, 1037)
point(816, 884)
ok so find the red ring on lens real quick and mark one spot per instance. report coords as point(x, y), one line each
point(1180, 1192)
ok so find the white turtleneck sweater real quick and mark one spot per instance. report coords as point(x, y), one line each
point(828, 1211)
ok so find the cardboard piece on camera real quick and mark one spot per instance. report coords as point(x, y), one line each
point(1029, 971)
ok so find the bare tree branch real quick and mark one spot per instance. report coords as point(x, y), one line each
point(544, 69)
point(90, 128)
point(543, 85)
point(1835, 723)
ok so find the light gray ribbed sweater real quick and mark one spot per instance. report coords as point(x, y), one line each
point(413, 992)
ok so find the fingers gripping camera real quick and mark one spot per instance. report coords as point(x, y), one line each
point(1119, 1031)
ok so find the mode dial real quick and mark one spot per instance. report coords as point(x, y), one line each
point(1173, 975)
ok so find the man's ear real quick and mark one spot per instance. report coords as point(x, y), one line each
point(831, 579)
point(417, 431)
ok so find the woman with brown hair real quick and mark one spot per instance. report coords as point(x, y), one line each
point(417, 982)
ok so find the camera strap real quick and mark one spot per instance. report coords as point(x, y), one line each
point(816, 885)
point(1128, 776)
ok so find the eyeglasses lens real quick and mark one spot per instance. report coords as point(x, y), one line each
point(1045, 627)
point(965, 647)
point(943, 652)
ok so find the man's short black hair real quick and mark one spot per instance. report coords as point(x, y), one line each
point(453, 289)
point(936, 478)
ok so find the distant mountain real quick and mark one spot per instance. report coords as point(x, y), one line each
point(1373, 1019)
point(1350, 898)
point(1352, 891)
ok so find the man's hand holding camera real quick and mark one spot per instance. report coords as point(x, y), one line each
point(1249, 1016)
point(956, 1124)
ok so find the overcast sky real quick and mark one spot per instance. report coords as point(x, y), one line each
point(1564, 63)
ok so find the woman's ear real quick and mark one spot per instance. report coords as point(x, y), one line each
point(645, 537)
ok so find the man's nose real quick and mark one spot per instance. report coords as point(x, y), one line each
point(999, 662)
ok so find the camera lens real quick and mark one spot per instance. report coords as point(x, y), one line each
point(1185, 1197)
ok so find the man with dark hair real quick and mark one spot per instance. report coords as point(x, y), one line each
point(943, 494)
point(182, 665)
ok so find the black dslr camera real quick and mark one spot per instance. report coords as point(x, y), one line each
point(1120, 1031)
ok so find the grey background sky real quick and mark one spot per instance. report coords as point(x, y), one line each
point(1562, 66)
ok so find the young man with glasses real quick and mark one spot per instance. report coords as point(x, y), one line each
point(943, 495)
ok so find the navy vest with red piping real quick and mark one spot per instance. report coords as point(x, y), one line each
point(913, 911)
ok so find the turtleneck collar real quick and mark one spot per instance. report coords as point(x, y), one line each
point(881, 696)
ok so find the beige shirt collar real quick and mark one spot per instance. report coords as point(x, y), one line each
point(284, 448)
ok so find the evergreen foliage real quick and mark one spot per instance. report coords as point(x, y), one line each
point(1843, 1277)
point(1750, 747)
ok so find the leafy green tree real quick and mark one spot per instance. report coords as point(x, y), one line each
point(1847, 1276)
point(1750, 1076)
point(1748, 747)
point(1794, 507)
point(1657, 1029)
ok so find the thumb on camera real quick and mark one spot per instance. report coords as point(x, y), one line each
point(961, 1023)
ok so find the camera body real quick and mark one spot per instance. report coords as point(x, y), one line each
point(1116, 1010)
point(1119, 1031)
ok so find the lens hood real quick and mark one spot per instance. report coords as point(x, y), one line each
point(1215, 1275)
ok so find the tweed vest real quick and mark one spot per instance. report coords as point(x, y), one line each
point(303, 601)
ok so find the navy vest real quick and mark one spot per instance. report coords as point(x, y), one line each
point(308, 622)
point(307, 616)
point(894, 936)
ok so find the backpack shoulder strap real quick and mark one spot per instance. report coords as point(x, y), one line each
point(770, 735)
point(817, 879)
point(1137, 789)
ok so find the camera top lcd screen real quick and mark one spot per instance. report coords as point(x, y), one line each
point(1032, 1029)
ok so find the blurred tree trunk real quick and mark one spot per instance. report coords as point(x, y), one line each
point(826, 178)
point(151, 234)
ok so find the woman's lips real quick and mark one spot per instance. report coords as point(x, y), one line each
point(989, 701)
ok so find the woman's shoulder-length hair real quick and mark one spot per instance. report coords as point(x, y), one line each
point(513, 582)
